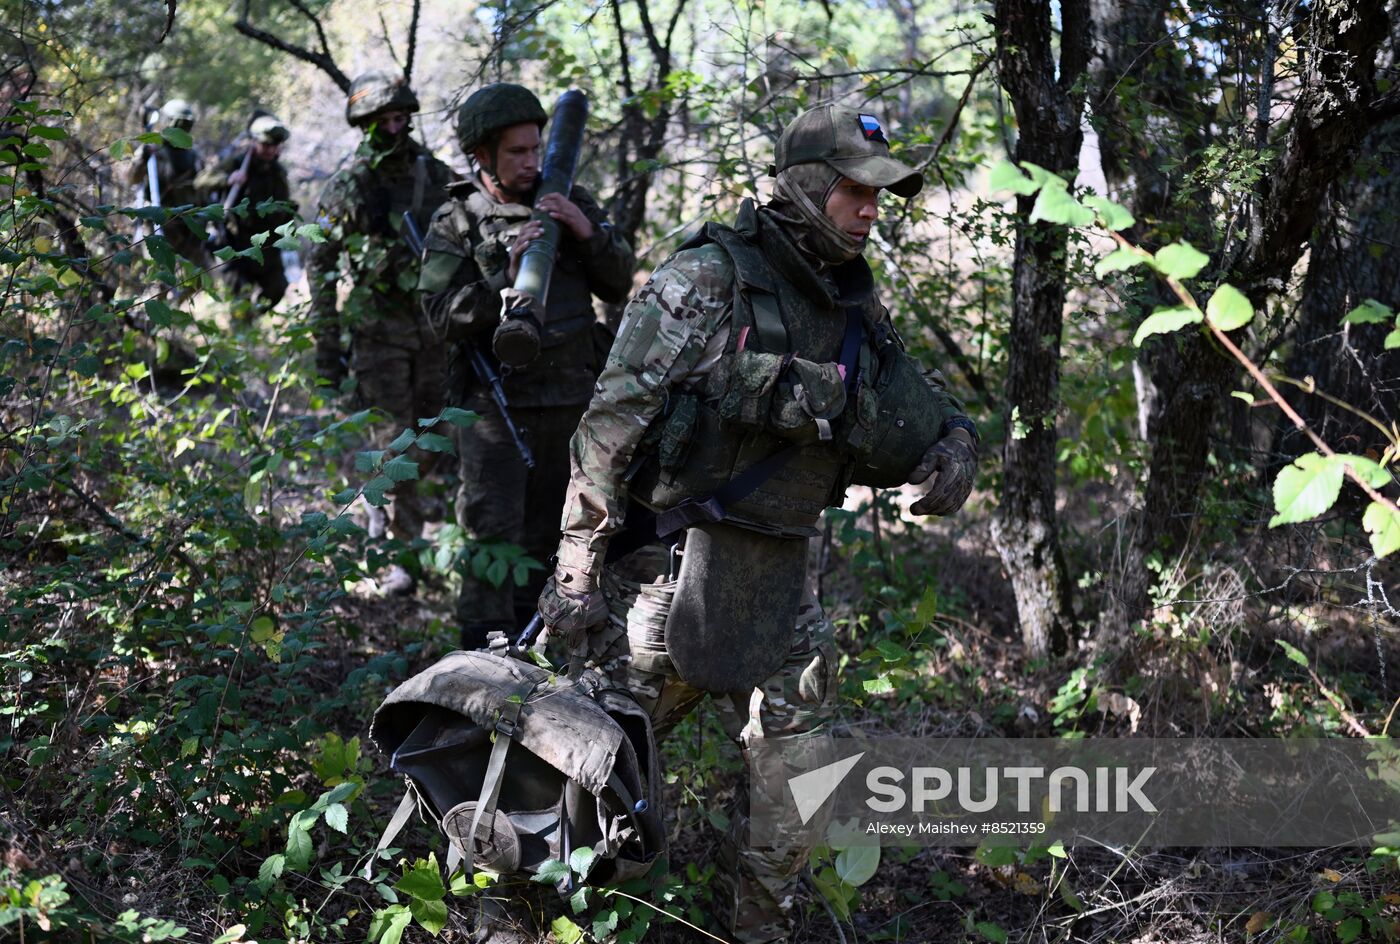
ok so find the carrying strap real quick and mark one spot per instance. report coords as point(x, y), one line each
point(506, 728)
point(396, 824)
point(646, 527)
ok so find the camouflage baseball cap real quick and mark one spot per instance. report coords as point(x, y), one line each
point(850, 142)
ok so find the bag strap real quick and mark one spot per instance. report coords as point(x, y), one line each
point(507, 724)
point(396, 824)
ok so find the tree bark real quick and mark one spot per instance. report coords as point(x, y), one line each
point(1048, 111)
point(1331, 114)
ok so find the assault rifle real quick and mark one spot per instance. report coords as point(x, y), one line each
point(485, 371)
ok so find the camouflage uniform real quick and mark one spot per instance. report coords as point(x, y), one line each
point(267, 180)
point(465, 265)
point(675, 346)
point(397, 362)
point(176, 172)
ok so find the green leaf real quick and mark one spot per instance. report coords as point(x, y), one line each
point(312, 232)
point(994, 857)
point(401, 469)
point(403, 440)
point(1179, 260)
point(1306, 489)
point(423, 880)
point(565, 931)
point(1055, 205)
point(581, 861)
point(234, 933)
point(880, 685)
point(49, 133)
point(1117, 261)
point(433, 442)
point(1165, 321)
point(1228, 309)
point(432, 915)
point(1324, 901)
point(396, 921)
point(337, 817)
point(857, 865)
point(1293, 652)
point(271, 869)
point(262, 629)
point(1368, 470)
point(991, 932)
point(298, 848)
point(1007, 176)
point(1243, 395)
point(1383, 524)
point(459, 417)
point(552, 872)
point(1349, 930)
point(159, 313)
point(1042, 176)
point(1392, 340)
point(178, 137)
point(1369, 312)
point(1114, 216)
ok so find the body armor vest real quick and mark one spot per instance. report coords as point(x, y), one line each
point(776, 386)
point(569, 358)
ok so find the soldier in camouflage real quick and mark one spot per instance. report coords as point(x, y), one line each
point(472, 252)
point(176, 170)
point(253, 173)
point(755, 377)
point(396, 361)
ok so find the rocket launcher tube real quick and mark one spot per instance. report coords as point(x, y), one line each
point(517, 338)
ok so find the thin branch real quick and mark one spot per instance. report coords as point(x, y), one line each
point(169, 21)
point(412, 40)
point(321, 60)
point(957, 111)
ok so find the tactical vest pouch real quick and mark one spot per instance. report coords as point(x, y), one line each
point(808, 398)
point(676, 433)
point(748, 397)
point(737, 595)
point(530, 764)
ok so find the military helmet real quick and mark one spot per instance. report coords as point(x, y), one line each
point(494, 107)
point(177, 113)
point(373, 93)
point(850, 142)
point(267, 129)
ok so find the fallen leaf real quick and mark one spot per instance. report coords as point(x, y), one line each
point(1258, 922)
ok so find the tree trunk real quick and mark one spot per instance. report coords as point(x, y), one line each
point(1048, 109)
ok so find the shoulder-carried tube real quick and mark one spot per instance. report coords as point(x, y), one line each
point(556, 176)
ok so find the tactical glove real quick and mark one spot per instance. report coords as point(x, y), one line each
point(949, 466)
point(571, 603)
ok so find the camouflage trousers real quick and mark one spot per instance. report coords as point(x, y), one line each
point(758, 884)
point(405, 383)
point(500, 500)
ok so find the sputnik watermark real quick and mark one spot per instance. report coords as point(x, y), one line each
point(1320, 792)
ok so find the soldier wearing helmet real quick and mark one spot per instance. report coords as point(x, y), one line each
point(176, 173)
point(253, 173)
point(755, 377)
point(377, 335)
point(473, 251)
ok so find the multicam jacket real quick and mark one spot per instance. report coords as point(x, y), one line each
point(674, 347)
point(267, 180)
point(361, 212)
point(465, 265)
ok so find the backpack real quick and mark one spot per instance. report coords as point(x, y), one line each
point(533, 764)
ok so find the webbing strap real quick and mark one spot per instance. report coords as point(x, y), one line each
point(495, 768)
point(768, 321)
point(396, 824)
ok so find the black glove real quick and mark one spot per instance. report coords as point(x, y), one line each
point(950, 466)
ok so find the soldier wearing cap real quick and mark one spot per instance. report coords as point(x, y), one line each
point(254, 174)
point(472, 252)
point(378, 335)
point(754, 378)
point(176, 170)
